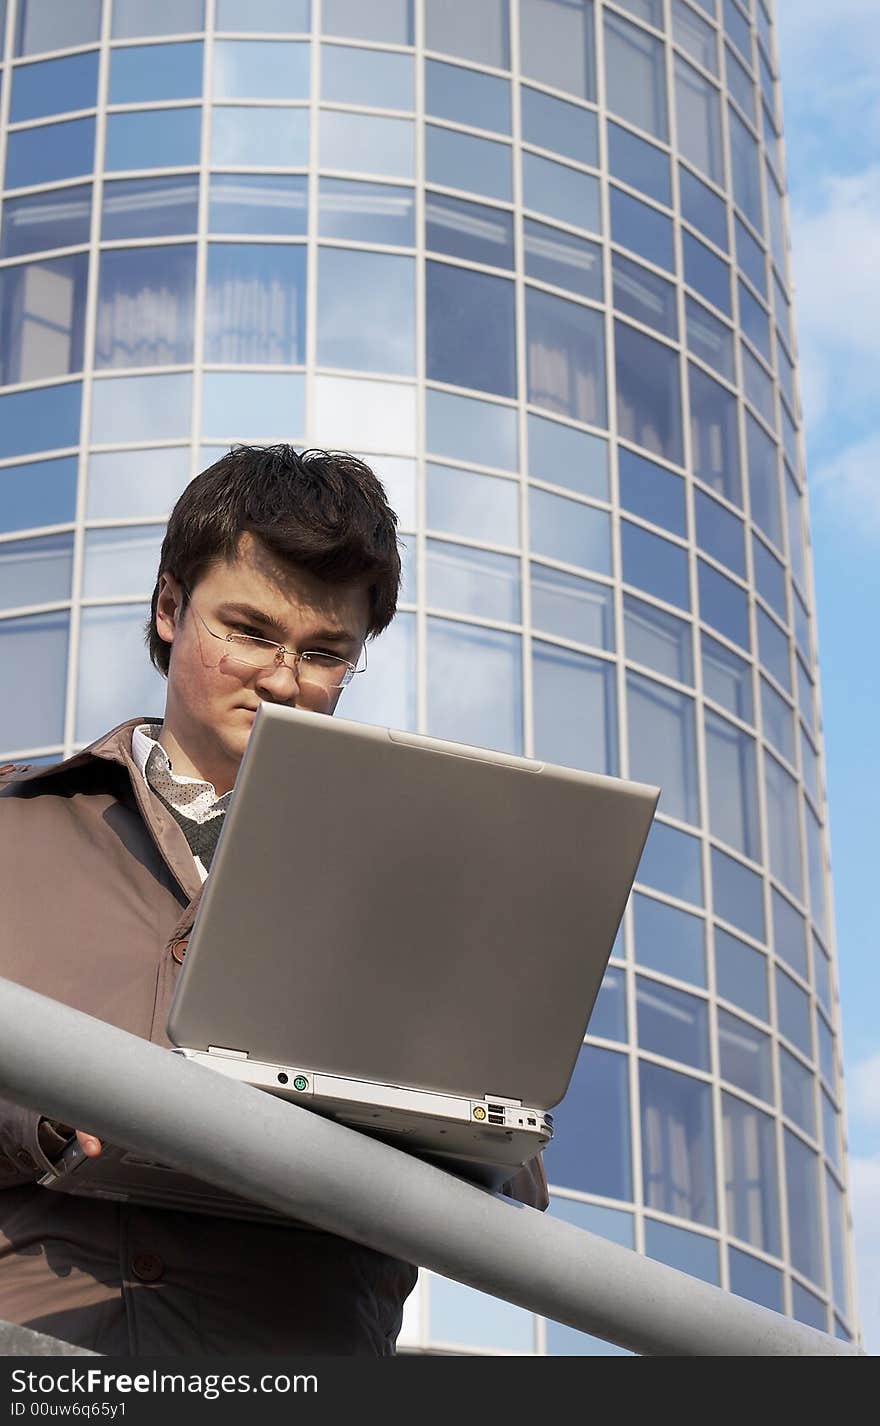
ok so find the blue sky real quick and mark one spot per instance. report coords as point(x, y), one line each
point(829, 58)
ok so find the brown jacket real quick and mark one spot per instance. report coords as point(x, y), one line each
point(96, 888)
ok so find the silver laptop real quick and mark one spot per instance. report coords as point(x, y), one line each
point(404, 934)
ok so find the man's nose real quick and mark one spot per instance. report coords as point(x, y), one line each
point(280, 680)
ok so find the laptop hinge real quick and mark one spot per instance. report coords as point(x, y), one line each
point(230, 1054)
point(500, 1099)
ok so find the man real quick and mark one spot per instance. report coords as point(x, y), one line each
point(275, 570)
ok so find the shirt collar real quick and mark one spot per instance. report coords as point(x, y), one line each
point(190, 795)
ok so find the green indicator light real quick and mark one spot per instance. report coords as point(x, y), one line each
point(300, 1082)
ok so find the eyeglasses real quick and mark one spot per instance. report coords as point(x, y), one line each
point(319, 674)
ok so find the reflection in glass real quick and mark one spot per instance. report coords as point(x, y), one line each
point(651, 491)
point(121, 561)
point(556, 45)
point(571, 607)
point(695, 36)
point(56, 86)
point(467, 230)
point(563, 455)
point(793, 1013)
point(560, 192)
point(802, 1186)
point(591, 1147)
point(635, 77)
point(805, 1306)
point(564, 128)
point(755, 1280)
point(706, 273)
point(26, 417)
point(560, 258)
point(662, 744)
point(720, 533)
point(36, 647)
point(477, 582)
point(125, 485)
point(42, 318)
point(464, 96)
point(388, 20)
point(655, 637)
point(644, 296)
point(112, 637)
point(388, 696)
point(366, 315)
point(255, 303)
point(457, 160)
point(798, 1090)
point(692, 1253)
point(568, 531)
point(478, 34)
point(672, 1023)
point(737, 894)
point(773, 646)
point(574, 708)
point(837, 1241)
point(670, 941)
point(741, 974)
point(770, 579)
point(273, 204)
point(35, 571)
point(830, 1130)
point(141, 408)
point(641, 165)
point(153, 138)
point(479, 507)
point(714, 436)
point(702, 208)
point(763, 481)
point(642, 229)
point(723, 604)
point(671, 862)
point(145, 307)
point(271, 137)
point(49, 152)
point(565, 357)
point(778, 720)
point(677, 1163)
point(150, 207)
point(132, 18)
point(745, 170)
point(55, 219)
point(144, 74)
point(462, 1316)
point(467, 429)
point(744, 1056)
point(378, 78)
point(48, 26)
point(648, 393)
point(471, 337)
point(474, 685)
point(257, 405)
point(754, 321)
point(758, 387)
point(732, 786)
point(698, 112)
point(608, 1016)
point(260, 69)
point(709, 338)
point(38, 493)
point(272, 16)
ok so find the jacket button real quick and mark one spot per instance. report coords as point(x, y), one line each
point(148, 1267)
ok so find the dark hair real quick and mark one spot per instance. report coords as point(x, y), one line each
point(323, 511)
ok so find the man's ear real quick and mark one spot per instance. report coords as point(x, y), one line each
point(168, 607)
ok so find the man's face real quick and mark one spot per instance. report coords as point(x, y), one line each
point(213, 698)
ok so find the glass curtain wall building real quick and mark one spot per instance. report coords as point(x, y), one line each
point(529, 258)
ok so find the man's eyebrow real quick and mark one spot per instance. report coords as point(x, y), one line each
point(257, 616)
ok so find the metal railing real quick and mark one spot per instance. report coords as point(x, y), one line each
point(140, 1096)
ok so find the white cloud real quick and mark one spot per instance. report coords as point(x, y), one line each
point(865, 1197)
point(845, 493)
point(828, 57)
point(863, 1089)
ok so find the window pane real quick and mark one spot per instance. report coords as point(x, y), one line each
point(153, 138)
point(741, 974)
point(556, 44)
point(754, 321)
point(608, 1016)
point(253, 405)
point(150, 207)
point(377, 78)
point(732, 784)
point(30, 420)
point(755, 1280)
point(662, 744)
point(758, 387)
point(651, 491)
point(750, 257)
point(727, 678)
point(475, 33)
point(113, 637)
point(826, 1052)
point(366, 315)
point(703, 208)
point(462, 161)
point(639, 164)
point(648, 394)
point(670, 941)
point(737, 894)
point(672, 1023)
point(564, 128)
point(132, 18)
point(671, 862)
point(35, 571)
point(566, 357)
point(566, 530)
point(461, 1315)
point(793, 1013)
point(720, 533)
point(56, 219)
point(574, 708)
point(145, 307)
point(635, 76)
point(744, 1056)
point(128, 484)
point(745, 170)
point(142, 74)
point(45, 25)
point(837, 1242)
point(560, 192)
point(121, 561)
point(798, 1090)
point(141, 408)
point(709, 338)
point(802, 1186)
point(474, 685)
point(42, 316)
point(50, 152)
point(769, 578)
point(36, 647)
point(255, 303)
point(387, 695)
point(773, 647)
point(706, 273)
point(471, 338)
point(658, 639)
point(477, 582)
point(763, 481)
point(479, 507)
point(273, 137)
point(778, 720)
point(462, 95)
point(830, 1130)
point(714, 436)
point(56, 86)
point(562, 259)
point(695, 36)
point(677, 1247)
point(642, 229)
point(562, 455)
point(467, 230)
point(271, 203)
point(723, 604)
point(571, 607)
point(591, 1147)
point(644, 296)
point(466, 429)
point(275, 16)
point(805, 1307)
point(677, 1167)
point(260, 69)
point(698, 113)
point(39, 493)
point(388, 20)
point(789, 934)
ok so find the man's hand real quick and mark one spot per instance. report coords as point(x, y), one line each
point(90, 1146)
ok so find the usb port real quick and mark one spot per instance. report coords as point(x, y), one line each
point(495, 1108)
point(531, 1121)
point(496, 1118)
